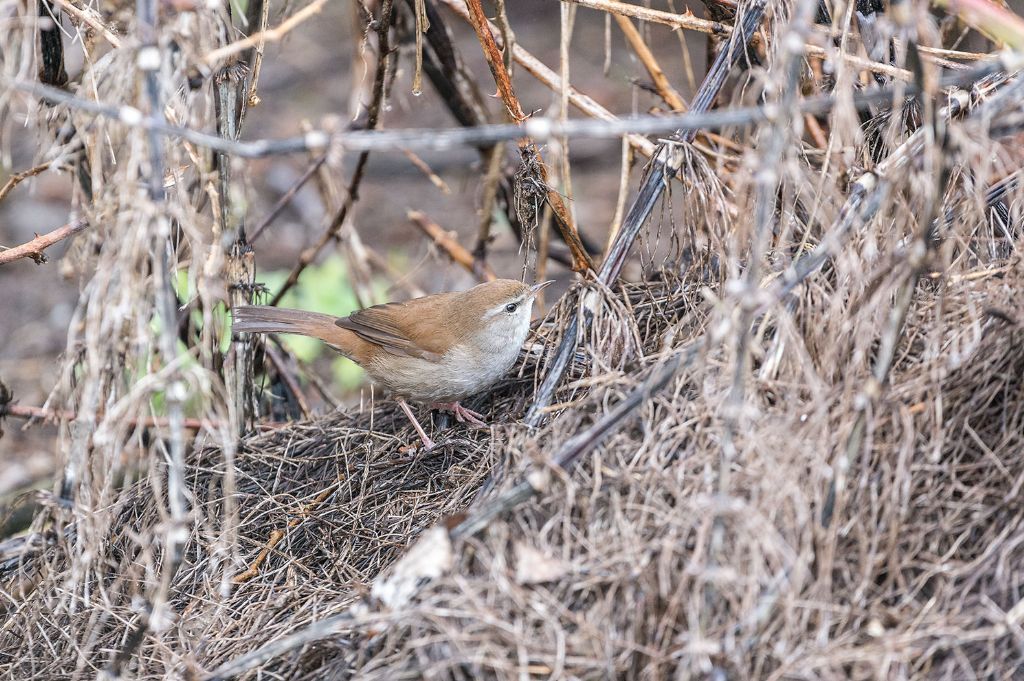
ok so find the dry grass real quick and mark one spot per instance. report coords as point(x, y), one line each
point(828, 488)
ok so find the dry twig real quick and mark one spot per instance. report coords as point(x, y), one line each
point(456, 251)
point(566, 225)
point(272, 35)
point(34, 248)
point(661, 84)
point(17, 178)
point(372, 119)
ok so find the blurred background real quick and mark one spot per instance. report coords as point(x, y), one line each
point(315, 73)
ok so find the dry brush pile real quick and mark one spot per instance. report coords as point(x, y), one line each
point(787, 445)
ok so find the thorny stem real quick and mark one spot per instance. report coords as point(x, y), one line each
point(495, 61)
point(508, 37)
point(34, 249)
point(463, 99)
point(17, 178)
point(451, 69)
point(449, 75)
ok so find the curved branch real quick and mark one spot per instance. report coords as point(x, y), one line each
point(34, 249)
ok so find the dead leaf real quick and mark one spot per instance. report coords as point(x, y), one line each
point(535, 567)
point(429, 558)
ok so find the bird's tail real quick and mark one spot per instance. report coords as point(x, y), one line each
point(268, 319)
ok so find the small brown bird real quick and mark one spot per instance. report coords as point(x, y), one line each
point(438, 349)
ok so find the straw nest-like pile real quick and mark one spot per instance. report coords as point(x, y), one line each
point(829, 486)
point(903, 558)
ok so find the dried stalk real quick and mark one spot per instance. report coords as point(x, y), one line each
point(422, 26)
point(422, 166)
point(91, 18)
point(239, 259)
point(258, 13)
point(17, 178)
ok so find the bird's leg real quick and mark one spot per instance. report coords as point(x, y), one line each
point(427, 442)
point(462, 415)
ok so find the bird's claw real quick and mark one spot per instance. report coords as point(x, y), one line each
point(463, 415)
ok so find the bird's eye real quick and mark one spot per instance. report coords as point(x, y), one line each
point(511, 307)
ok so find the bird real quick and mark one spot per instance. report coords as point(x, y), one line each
point(438, 349)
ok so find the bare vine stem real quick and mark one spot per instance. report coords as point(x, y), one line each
point(539, 129)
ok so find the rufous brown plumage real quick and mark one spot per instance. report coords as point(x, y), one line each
point(439, 349)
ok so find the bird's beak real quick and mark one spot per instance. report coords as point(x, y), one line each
point(537, 288)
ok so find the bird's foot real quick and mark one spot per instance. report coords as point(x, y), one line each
point(462, 415)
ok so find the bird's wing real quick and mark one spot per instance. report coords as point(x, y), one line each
point(415, 328)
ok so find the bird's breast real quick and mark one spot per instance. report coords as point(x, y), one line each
point(466, 369)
